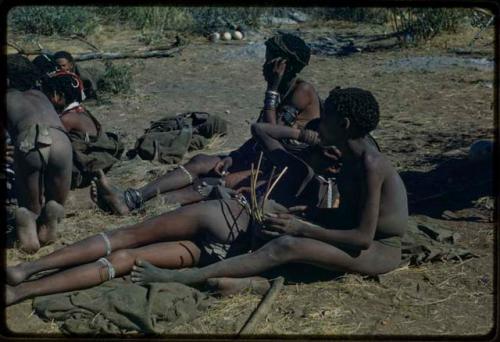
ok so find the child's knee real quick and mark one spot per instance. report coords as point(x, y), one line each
point(201, 164)
point(122, 258)
point(283, 248)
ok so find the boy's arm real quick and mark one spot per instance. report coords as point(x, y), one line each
point(268, 136)
point(361, 236)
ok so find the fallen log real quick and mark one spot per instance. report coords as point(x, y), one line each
point(121, 55)
point(263, 308)
point(85, 56)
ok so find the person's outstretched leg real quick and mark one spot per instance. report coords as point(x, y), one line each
point(222, 220)
point(199, 165)
point(166, 254)
point(377, 259)
point(112, 199)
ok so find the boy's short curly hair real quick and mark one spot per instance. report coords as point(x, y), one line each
point(22, 74)
point(359, 105)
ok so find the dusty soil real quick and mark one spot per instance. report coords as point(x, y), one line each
point(429, 116)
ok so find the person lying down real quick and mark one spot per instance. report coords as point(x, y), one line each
point(225, 239)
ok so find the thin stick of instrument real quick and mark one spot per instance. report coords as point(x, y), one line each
point(255, 181)
point(275, 182)
point(267, 188)
point(263, 308)
point(252, 196)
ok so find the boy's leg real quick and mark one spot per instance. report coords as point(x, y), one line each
point(222, 220)
point(57, 180)
point(377, 259)
point(166, 254)
point(27, 167)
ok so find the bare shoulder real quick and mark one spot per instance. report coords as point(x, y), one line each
point(306, 87)
point(376, 163)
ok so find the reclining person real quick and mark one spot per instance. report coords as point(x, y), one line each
point(64, 91)
point(362, 235)
point(93, 148)
point(289, 101)
point(42, 156)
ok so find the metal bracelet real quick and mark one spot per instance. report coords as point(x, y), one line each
point(106, 242)
point(109, 266)
point(190, 178)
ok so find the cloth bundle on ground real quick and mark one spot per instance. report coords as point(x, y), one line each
point(119, 307)
point(92, 153)
point(168, 139)
point(426, 240)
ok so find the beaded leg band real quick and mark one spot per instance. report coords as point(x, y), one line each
point(133, 199)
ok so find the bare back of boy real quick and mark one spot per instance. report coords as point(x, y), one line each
point(42, 159)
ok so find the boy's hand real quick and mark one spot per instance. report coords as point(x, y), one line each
point(281, 224)
point(222, 166)
point(333, 154)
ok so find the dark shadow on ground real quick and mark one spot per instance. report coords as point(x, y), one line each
point(453, 185)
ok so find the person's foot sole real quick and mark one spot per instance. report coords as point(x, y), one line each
point(14, 275)
point(54, 213)
point(26, 230)
point(107, 197)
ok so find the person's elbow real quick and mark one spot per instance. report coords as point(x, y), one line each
point(364, 244)
point(363, 241)
point(257, 129)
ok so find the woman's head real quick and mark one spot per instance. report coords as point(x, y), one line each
point(289, 47)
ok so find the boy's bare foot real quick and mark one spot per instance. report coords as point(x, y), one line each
point(13, 295)
point(15, 275)
point(230, 286)
point(9, 295)
point(53, 213)
point(26, 230)
point(107, 197)
point(144, 273)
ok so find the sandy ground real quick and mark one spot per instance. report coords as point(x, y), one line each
point(429, 110)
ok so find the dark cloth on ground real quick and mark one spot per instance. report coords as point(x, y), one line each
point(118, 307)
point(426, 240)
point(168, 139)
point(92, 153)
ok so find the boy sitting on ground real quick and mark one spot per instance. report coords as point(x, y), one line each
point(362, 236)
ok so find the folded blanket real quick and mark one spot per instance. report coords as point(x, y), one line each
point(426, 240)
point(118, 307)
